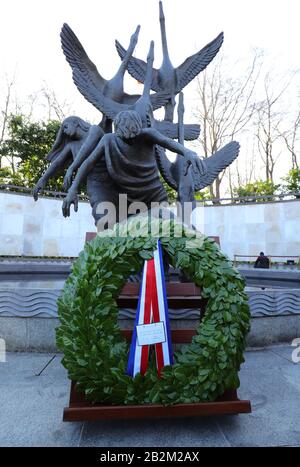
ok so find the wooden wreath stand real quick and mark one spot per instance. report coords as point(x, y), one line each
point(180, 295)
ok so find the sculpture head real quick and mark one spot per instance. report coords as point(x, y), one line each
point(74, 126)
point(128, 124)
point(70, 129)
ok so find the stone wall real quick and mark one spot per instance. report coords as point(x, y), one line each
point(38, 228)
point(28, 316)
point(246, 230)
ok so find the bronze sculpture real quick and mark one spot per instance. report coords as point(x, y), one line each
point(134, 171)
point(129, 159)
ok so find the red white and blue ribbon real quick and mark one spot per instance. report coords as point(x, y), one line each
point(152, 308)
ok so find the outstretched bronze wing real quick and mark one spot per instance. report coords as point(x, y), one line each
point(188, 70)
point(165, 166)
point(214, 164)
point(193, 65)
point(78, 59)
point(191, 130)
point(89, 81)
point(137, 68)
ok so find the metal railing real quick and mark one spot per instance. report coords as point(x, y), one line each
point(251, 199)
point(45, 192)
point(45, 271)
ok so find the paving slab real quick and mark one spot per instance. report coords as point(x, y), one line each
point(265, 359)
point(21, 367)
point(179, 432)
point(31, 406)
point(186, 432)
point(274, 391)
point(287, 351)
point(31, 409)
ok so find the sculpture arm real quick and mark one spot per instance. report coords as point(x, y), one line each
point(191, 158)
point(154, 136)
point(82, 173)
point(54, 167)
point(94, 136)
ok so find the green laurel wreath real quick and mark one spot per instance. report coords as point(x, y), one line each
point(95, 352)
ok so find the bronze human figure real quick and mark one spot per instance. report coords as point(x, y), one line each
point(130, 162)
point(71, 139)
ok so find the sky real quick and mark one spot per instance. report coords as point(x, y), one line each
point(30, 42)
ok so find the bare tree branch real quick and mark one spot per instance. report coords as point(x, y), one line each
point(56, 110)
point(225, 107)
point(6, 109)
point(269, 118)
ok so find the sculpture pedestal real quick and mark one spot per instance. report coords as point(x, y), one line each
point(180, 295)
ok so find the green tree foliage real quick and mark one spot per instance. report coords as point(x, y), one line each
point(172, 195)
point(8, 177)
point(258, 188)
point(203, 195)
point(292, 182)
point(28, 143)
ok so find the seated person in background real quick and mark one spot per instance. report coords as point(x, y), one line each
point(262, 261)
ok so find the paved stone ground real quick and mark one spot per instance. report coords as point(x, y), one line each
point(34, 389)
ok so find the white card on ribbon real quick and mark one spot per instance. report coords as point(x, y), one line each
point(149, 334)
